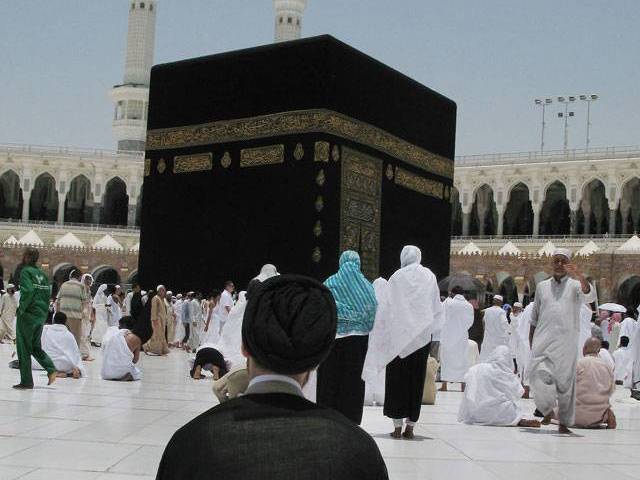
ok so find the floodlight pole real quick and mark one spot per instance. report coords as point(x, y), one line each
point(588, 123)
point(566, 126)
point(544, 106)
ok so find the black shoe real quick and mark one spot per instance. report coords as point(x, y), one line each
point(538, 413)
point(21, 386)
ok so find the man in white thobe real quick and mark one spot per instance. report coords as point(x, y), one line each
point(623, 360)
point(585, 327)
point(555, 328)
point(225, 304)
point(121, 352)
point(627, 329)
point(61, 346)
point(496, 328)
point(633, 378)
point(454, 339)
point(8, 309)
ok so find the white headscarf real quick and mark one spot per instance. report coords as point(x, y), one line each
point(267, 272)
point(492, 392)
point(406, 316)
point(86, 275)
point(230, 341)
point(100, 298)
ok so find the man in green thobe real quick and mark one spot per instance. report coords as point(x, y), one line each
point(31, 315)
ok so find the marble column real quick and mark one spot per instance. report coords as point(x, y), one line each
point(612, 221)
point(131, 215)
point(466, 222)
point(26, 200)
point(97, 211)
point(500, 227)
point(536, 219)
point(61, 203)
point(574, 222)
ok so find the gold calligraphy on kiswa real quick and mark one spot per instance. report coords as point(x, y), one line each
point(419, 184)
point(197, 162)
point(267, 155)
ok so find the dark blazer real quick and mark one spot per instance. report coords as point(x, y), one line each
point(273, 433)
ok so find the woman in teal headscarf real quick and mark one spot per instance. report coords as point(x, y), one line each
point(340, 385)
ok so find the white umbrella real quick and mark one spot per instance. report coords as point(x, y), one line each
point(613, 307)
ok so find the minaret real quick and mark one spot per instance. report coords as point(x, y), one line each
point(131, 98)
point(288, 19)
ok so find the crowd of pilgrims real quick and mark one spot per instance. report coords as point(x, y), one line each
point(387, 333)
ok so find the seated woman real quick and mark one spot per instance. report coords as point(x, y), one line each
point(62, 348)
point(492, 393)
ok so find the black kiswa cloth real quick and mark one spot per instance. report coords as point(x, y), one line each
point(289, 324)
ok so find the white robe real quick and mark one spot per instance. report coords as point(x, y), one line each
point(585, 327)
point(61, 346)
point(117, 359)
point(623, 363)
point(496, 331)
point(604, 354)
point(374, 388)
point(407, 317)
point(114, 311)
point(454, 339)
point(229, 342)
point(556, 316)
point(473, 353)
point(492, 392)
point(221, 312)
point(102, 316)
point(633, 380)
point(523, 354)
point(628, 329)
point(179, 331)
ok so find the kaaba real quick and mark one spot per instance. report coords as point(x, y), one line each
point(289, 154)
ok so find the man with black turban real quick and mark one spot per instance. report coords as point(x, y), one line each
point(272, 432)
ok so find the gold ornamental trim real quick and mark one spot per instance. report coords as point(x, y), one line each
point(147, 167)
point(225, 161)
point(198, 162)
point(321, 152)
point(298, 122)
point(162, 166)
point(419, 184)
point(255, 157)
point(298, 152)
point(361, 208)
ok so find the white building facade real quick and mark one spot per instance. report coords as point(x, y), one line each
point(593, 192)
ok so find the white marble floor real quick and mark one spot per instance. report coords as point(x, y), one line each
point(92, 429)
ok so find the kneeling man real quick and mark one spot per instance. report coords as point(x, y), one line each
point(61, 346)
point(288, 329)
point(121, 352)
point(595, 384)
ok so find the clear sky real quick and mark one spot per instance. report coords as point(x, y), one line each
point(493, 57)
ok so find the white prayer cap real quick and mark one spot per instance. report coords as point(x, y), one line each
point(565, 252)
point(517, 304)
point(159, 287)
point(169, 292)
point(143, 292)
point(498, 297)
point(179, 296)
point(10, 285)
